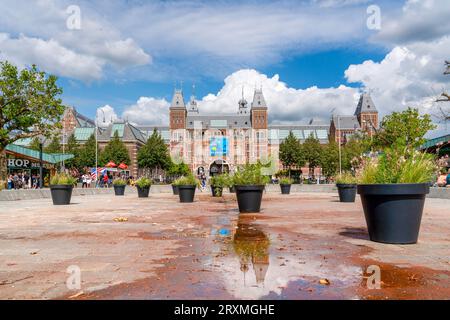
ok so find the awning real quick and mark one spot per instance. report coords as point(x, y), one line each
point(52, 158)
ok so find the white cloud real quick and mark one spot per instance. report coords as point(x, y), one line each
point(49, 56)
point(148, 111)
point(106, 115)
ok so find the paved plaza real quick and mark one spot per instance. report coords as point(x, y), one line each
point(301, 246)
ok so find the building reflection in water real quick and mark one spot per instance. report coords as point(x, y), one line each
point(251, 245)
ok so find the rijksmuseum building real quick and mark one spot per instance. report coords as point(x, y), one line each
point(220, 142)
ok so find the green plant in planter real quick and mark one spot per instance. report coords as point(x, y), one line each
point(63, 179)
point(219, 181)
point(250, 174)
point(119, 182)
point(188, 180)
point(346, 178)
point(399, 166)
point(286, 180)
point(143, 182)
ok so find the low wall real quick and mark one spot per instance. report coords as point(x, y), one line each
point(12, 195)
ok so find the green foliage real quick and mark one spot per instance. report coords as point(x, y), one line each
point(312, 151)
point(119, 182)
point(346, 178)
point(286, 180)
point(180, 169)
point(291, 152)
point(188, 180)
point(29, 103)
point(154, 154)
point(63, 179)
point(250, 174)
point(330, 159)
point(34, 144)
point(54, 146)
point(115, 151)
point(86, 153)
point(352, 151)
point(399, 166)
point(221, 180)
point(72, 147)
point(143, 182)
point(403, 129)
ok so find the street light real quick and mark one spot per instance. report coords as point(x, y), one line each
point(41, 171)
point(96, 144)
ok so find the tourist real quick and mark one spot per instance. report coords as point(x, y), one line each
point(448, 178)
point(10, 182)
point(105, 180)
point(88, 180)
point(84, 181)
point(442, 179)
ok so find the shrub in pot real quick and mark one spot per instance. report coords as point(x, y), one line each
point(119, 186)
point(186, 188)
point(217, 184)
point(346, 185)
point(143, 185)
point(285, 185)
point(61, 186)
point(249, 183)
point(393, 189)
point(175, 186)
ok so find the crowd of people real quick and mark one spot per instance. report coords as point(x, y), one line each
point(23, 180)
point(444, 179)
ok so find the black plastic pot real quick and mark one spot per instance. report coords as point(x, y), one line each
point(347, 192)
point(175, 189)
point(285, 188)
point(187, 193)
point(119, 190)
point(61, 194)
point(216, 191)
point(393, 211)
point(232, 189)
point(249, 197)
point(143, 192)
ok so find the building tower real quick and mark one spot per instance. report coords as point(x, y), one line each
point(243, 104)
point(367, 114)
point(259, 111)
point(193, 107)
point(177, 111)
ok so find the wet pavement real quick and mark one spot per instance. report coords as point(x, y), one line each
point(301, 246)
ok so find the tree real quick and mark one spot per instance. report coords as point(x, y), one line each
point(312, 151)
point(72, 147)
point(180, 169)
point(54, 145)
point(34, 144)
point(330, 159)
point(154, 154)
point(29, 106)
point(291, 152)
point(403, 129)
point(353, 150)
point(444, 113)
point(115, 151)
point(86, 153)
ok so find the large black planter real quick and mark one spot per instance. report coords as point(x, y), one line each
point(393, 211)
point(347, 192)
point(187, 193)
point(119, 190)
point(61, 194)
point(175, 189)
point(143, 192)
point(232, 189)
point(216, 191)
point(249, 197)
point(285, 188)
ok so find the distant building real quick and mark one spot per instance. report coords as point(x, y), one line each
point(365, 119)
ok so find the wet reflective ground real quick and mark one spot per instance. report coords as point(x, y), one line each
point(302, 246)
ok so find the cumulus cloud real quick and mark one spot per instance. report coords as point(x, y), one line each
point(78, 54)
point(148, 111)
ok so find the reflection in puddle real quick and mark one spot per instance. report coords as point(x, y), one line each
point(252, 247)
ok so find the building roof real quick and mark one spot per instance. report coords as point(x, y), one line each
point(301, 132)
point(52, 158)
point(125, 130)
point(83, 134)
point(82, 120)
point(258, 100)
point(178, 100)
point(435, 142)
point(228, 121)
point(365, 104)
point(346, 122)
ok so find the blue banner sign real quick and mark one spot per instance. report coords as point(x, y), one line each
point(218, 146)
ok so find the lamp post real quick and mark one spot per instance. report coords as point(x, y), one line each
point(63, 167)
point(339, 130)
point(96, 144)
point(41, 171)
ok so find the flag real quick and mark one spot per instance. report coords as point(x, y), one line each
point(94, 173)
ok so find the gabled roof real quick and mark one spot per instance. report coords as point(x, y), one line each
point(178, 100)
point(82, 120)
point(346, 122)
point(125, 130)
point(258, 100)
point(365, 104)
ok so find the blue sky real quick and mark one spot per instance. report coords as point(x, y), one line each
point(309, 56)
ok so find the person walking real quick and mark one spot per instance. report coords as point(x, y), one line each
point(83, 181)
